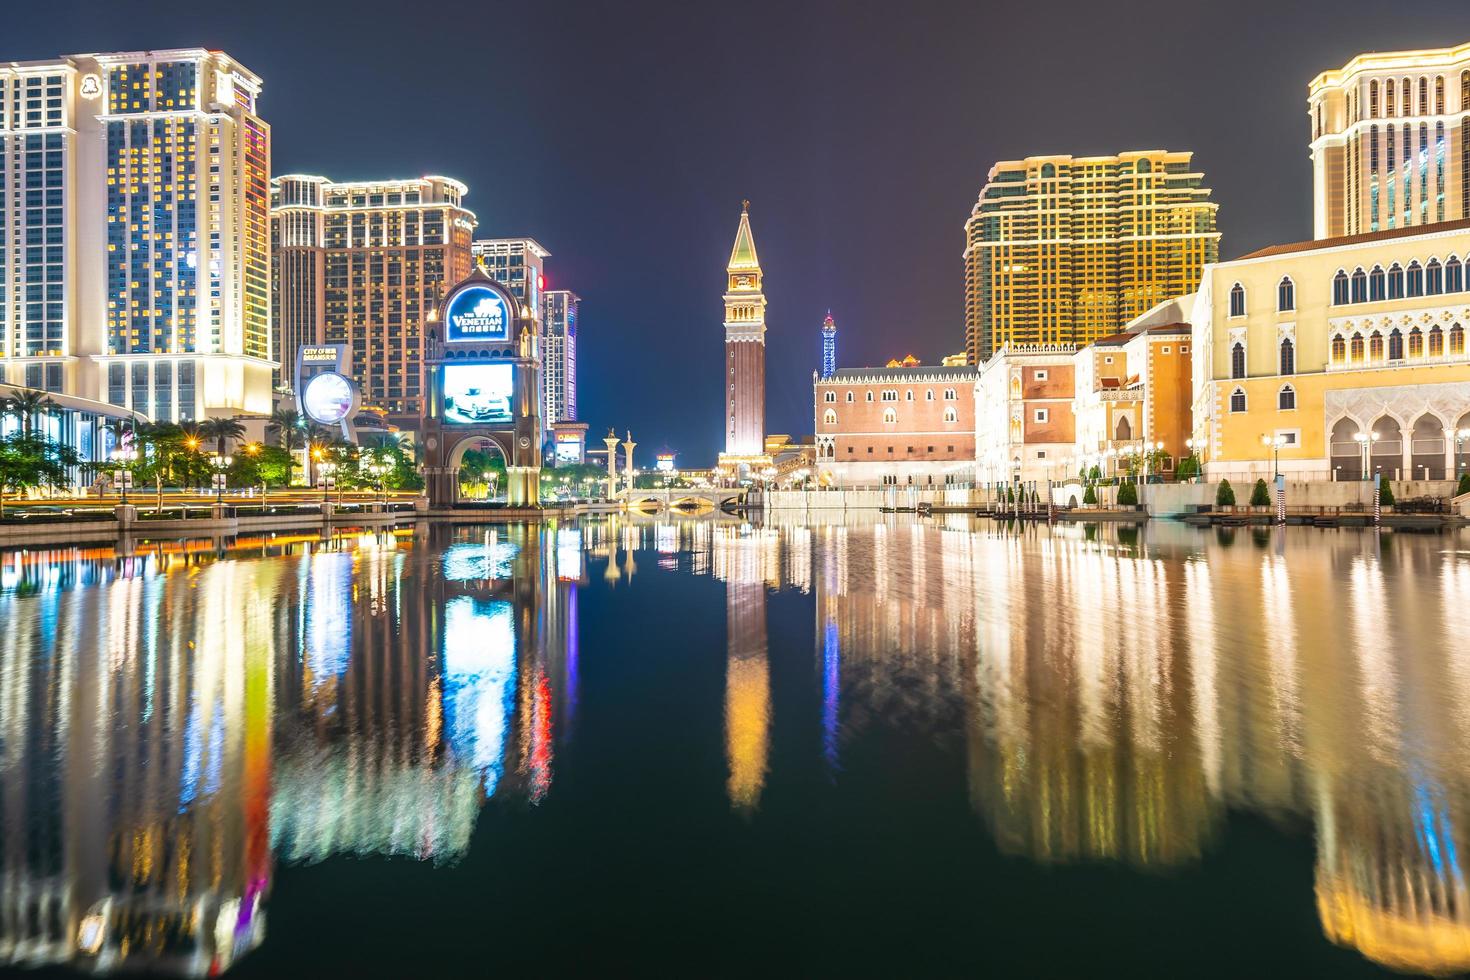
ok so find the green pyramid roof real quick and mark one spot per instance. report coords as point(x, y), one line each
point(743, 256)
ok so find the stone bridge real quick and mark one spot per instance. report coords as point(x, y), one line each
point(683, 498)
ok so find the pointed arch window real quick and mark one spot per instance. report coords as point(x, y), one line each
point(1377, 285)
point(951, 415)
point(1360, 285)
point(1457, 340)
point(1285, 295)
point(1340, 288)
point(1237, 300)
point(829, 417)
point(890, 415)
point(1339, 349)
point(1416, 342)
point(829, 396)
point(1454, 278)
point(1375, 346)
point(1395, 345)
point(1395, 281)
point(1357, 348)
point(849, 398)
point(1237, 360)
point(1288, 356)
point(1433, 278)
point(1436, 342)
point(1415, 279)
point(1286, 399)
point(1237, 400)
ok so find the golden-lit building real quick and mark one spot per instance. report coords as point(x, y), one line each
point(1348, 352)
point(1390, 141)
point(1064, 250)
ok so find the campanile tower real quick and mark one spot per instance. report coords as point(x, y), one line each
point(745, 351)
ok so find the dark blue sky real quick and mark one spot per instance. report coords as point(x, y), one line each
point(623, 136)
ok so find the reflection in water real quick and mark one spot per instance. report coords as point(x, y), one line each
point(174, 721)
point(168, 720)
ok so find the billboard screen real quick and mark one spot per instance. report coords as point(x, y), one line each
point(477, 313)
point(569, 450)
point(479, 394)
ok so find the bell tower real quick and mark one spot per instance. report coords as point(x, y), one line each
point(745, 353)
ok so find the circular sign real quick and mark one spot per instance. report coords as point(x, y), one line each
point(327, 398)
point(477, 312)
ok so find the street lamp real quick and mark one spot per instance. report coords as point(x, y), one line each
point(379, 469)
point(124, 456)
point(1191, 445)
point(1459, 435)
point(1365, 442)
point(325, 470)
point(220, 464)
point(1274, 443)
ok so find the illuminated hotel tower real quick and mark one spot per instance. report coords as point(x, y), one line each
point(829, 346)
point(134, 245)
point(745, 350)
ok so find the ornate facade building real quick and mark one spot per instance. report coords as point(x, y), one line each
point(1390, 141)
point(745, 356)
point(1349, 351)
point(1064, 250)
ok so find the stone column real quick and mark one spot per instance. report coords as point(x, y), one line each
point(628, 445)
point(611, 442)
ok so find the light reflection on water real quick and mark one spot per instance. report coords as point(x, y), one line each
point(175, 723)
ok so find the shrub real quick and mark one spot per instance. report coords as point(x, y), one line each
point(1385, 492)
point(1261, 495)
point(1089, 496)
point(1464, 486)
point(1128, 495)
point(1188, 468)
point(1224, 494)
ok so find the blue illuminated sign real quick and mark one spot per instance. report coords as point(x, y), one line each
point(477, 313)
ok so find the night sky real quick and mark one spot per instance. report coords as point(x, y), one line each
point(623, 136)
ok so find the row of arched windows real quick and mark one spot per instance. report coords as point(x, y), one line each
point(890, 415)
point(1375, 346)
point(1398, 282)
point(1407, 97)
point(891, 395)
point(1285, 399)
point(1285, 297)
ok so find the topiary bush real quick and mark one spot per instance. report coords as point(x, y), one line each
point(1128, 495)
point(1224, 494)
point(1385, 492)
point(1261, 495)
point(1464, 486)
point(1089, 496)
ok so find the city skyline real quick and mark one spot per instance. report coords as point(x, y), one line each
point(860, 195)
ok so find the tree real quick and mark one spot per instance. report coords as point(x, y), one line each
point(1385, 492)
point(26, 404)
point(162, 446)
point(28, 461)
point(1260, 495)
point(1224, 494)
point(1188, 467)
point(1128, 495)
point(1095, 473)
point(221, 431)
point(290, 430)
point(1089, 496)
point(1464, 486)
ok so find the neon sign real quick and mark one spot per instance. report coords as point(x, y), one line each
point(477, 313)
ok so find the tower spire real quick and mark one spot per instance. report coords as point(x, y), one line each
point(742, 255)
point(744, 377)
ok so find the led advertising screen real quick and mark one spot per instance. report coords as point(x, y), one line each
point(569, 450)
point(479, 394)
point(477, 313)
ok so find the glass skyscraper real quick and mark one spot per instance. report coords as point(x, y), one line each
point(134, 251)
point(559, 354)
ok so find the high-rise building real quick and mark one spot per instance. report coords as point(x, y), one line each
point(518, 264)
point(364, 263)
point(745, 350)
point(1062, 250)
point(1391, 141)
point(134, 239)
point(559, 354)
point(829, 346)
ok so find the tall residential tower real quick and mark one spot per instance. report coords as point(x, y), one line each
point(363, 264)
point(559, 354)
point(1390, 141)
point(134, 238)
point(1062, 250)
point(745, 352)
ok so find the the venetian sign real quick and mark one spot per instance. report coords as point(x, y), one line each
point(477, 313)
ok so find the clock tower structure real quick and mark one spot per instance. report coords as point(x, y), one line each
point(745, 357)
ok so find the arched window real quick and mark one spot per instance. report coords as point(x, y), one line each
point(1416, 342)
point(1123, 431)
point(1237, 360)
point(1373, 99)
point(830, 396)
point(1375, 346)
point(1339, 349)
point(849, 398)
point(929, 395)
point(1286, 399)
point(1464, 90)
point(1439, 96)
point(949, 394)
point(950, 415)
point(1357, 348)
point(1377, 290)
point(1285, 295)
point(1395, 282)
point(890, 415)
point(1144, 166)
point(1436, 342)
point(1433, 278)
point(1388, 97)
point(1360, 285)
point(1048, 170)
point(1454, 278)
point(1288, 357)
point(1237, 400)
point(870, 397)
point(1237, 300)
point(1395, 345)
point(1457, 339)
point(1339, 288)
point(1416, 279)
point(908, 396)
point(829, 417)
point(1423, 96)
point(1406, 98)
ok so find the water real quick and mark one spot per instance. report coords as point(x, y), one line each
point(702, 748)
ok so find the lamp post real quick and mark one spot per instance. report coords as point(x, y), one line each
point(1459, 436)
point(1365, 441)
point(220, 463)
point(1274, 443)
point(124, 456)
point(325, 469)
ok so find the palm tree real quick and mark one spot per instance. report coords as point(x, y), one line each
point(27, 404)
point(290, 428)
point(221, 430)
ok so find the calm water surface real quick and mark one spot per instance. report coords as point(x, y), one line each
point(703, 748)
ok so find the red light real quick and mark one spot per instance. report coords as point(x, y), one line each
point(540, 282)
